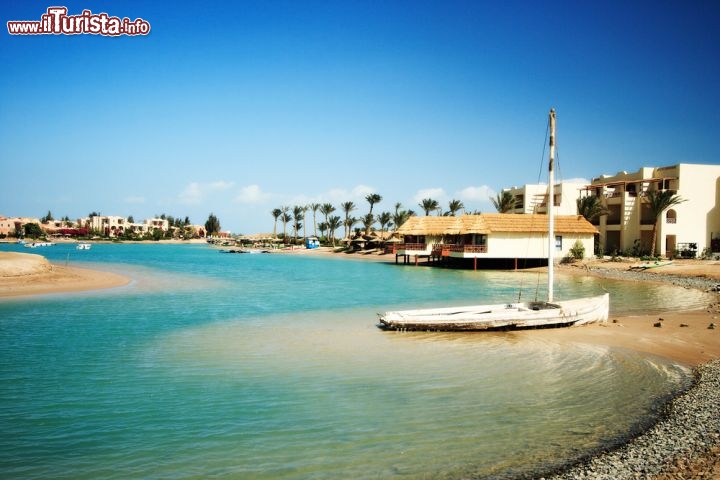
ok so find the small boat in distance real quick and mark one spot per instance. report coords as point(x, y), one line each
point(521, 315)
point(83, 246)
point(39, 244)
point(245, 250)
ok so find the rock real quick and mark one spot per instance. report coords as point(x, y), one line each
point(657, 324)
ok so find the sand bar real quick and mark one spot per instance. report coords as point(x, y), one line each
point(23, 274)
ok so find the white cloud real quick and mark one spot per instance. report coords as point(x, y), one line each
point(220, 185)
point(252, 194)
point(577, 180)
point(434, 193)
point(482, 193)
point(192, 194)
point(362, 191)
point(196, 192)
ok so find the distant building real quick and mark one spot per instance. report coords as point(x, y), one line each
point(9, 226)
point(532, 198)
point(111, 226)
point(193, 231)
point(691, 226)
point(159, 223)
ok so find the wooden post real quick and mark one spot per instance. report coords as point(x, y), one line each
point(475, 263)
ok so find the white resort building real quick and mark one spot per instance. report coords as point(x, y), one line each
point(532, 198)
point(689, 228)
point(492, 238)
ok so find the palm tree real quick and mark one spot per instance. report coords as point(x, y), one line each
point(348, 224)
point(384, 218)
point(347, 207)
point(285, 219)
point(504, 202)
point(591, 207)
point(326, 209)
point(455, 206)
point(276, 214)
point(372, 199)
point(659, 201)
point(298, 219)
point(314, 207)
point(368, 221)
point(428, 205)
point(333, 224)
point(400, 216)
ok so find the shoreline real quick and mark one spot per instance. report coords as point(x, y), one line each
point(683, 443)
point(25, 275)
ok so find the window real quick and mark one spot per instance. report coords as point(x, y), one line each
point(558, 243)
point(671, 216)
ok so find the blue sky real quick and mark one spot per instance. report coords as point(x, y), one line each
point(240, 107)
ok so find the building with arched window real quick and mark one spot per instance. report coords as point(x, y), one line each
point(687, 229)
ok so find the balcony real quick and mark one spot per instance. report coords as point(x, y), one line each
point(446, 250)
point(412, 247)
point(469, 248)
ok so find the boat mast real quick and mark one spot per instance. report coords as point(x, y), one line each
point(550, 205)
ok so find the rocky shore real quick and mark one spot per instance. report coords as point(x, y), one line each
point(685, 443)
point(687, 281)
point(682, 445)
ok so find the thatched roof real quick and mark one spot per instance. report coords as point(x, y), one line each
point(431, 226)
point(488, 223)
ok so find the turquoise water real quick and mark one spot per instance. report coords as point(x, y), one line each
point(270, 366)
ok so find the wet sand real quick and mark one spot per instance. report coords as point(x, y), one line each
point(683, 337)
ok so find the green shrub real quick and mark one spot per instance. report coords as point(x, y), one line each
point(578, 250)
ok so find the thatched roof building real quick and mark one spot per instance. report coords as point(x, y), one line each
point(494, 236)
point(488, 223)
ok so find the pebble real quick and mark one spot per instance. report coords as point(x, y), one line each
point(707, 284)
point(690, 429)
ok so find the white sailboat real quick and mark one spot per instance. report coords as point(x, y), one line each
point(537, 314)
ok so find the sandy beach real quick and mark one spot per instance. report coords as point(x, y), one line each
point(23, 274)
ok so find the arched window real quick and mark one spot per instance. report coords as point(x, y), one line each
point(671, 216)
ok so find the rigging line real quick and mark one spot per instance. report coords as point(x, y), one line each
point(542, 156)
point(557, 165)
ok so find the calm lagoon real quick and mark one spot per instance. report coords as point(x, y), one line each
point(271, 367)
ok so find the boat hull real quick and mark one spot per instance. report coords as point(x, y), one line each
point(511, 316)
